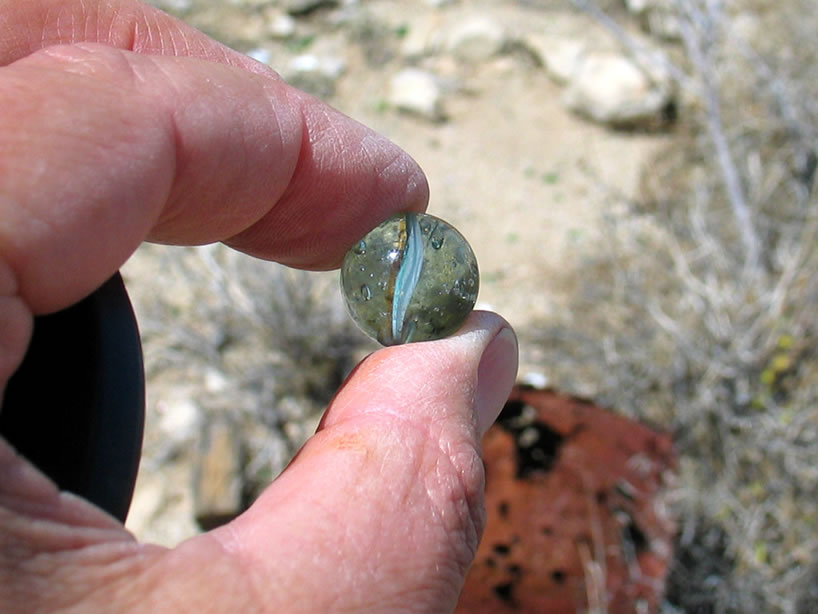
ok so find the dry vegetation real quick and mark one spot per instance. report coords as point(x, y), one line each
point(262, 343)
point(699, 315)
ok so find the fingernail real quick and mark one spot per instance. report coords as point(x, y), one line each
point(495, 377)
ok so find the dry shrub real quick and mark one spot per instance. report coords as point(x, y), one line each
point(699, 315)
point(265, 345)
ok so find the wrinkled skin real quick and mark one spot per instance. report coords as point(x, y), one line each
point(120, 124)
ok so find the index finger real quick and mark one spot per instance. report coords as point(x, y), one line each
point(27, 26)
point(103, 148)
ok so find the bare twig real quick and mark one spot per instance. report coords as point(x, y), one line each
point(697, 29)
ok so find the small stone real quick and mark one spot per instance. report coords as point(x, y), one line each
point(417, 91)
point(413, 278)
point(173, 6)
point(328, 66)
point(476, 39)
point(179, 420)
point(215, 381)
point(302, 7)
point(658, 17)
point(315, 74)
point(560, 56)
point(612, 89)
point(281, 25)
point(148, 500)
point(218, 480)
point(535, 379)
point(638, 6)
point(260, 55)
point(746, 28)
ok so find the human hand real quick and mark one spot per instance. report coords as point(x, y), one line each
point(137, 127)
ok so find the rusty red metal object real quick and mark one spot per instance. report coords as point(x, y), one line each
point(577, 513)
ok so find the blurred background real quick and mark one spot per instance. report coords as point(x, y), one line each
point(635, 177)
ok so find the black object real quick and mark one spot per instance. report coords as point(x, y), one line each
point(76, 406)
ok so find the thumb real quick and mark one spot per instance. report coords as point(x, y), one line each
point(382, 510)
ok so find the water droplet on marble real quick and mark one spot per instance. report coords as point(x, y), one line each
point(366, 293)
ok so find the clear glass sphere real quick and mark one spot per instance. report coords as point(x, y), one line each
point(413, 278)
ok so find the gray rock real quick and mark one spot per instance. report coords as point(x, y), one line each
point(418, 92)
point(476, 39)
point(612, 89)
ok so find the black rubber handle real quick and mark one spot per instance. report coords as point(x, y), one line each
point(76, 406)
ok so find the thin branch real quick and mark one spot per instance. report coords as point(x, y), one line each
point(698, 52)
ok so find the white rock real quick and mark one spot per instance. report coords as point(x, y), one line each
point(330, 67)
point(315, 74)
point(638, 6)
point(178, 6)
point(148, 500)
point(746, 28)
point(260, 55)
point(476, 39)
point(305, 63)
point(179, 420)
point(560, 55)
point(215, 381)
point(535, 379)
point(417, 91)
point(612, 89)
point(281, 25)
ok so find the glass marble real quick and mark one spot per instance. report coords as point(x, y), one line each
point(413, 278)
